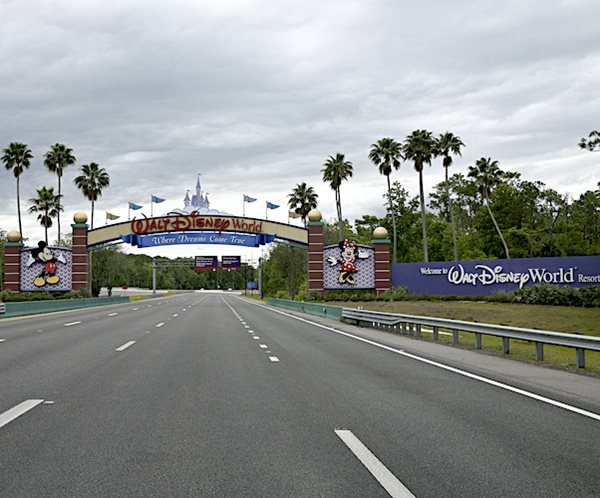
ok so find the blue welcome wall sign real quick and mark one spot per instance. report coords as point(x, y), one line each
point(481, 277)
point(232, 239)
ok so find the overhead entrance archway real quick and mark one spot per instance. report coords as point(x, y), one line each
point(197, 229)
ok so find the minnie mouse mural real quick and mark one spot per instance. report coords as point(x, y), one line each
point(350, 254)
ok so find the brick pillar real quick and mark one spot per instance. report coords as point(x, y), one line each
point(315, 255)
point(12, 266)
point(80, 278)
point(382, 265)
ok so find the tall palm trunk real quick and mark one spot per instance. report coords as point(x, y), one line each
point(423, 221)
point(394, 260)
point(19, 209)
point(46, 225)
point(338, 200)
point(454, 238)
point(452, 222)
point(92, 215)
point(487, 205)
point(58, 216)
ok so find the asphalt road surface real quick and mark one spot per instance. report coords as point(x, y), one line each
point(213, 395)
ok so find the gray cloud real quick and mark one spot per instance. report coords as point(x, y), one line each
point(256, 94)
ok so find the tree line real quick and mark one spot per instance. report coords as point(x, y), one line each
point(112, 268)
point(48, 205)
point(487, 213)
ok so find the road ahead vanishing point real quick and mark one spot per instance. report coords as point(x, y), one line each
point(214, 395)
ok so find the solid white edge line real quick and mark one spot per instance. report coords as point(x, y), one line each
point(458, 371)
point(72, 323)
point(125, 346)
point(389, 481)
point(18, 410)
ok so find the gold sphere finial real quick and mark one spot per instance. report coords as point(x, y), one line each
point(13, 236)
point(315, 215)
point(80, 217)
point(380, 233)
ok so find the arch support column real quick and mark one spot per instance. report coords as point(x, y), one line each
point(315, 251)
point(12, 266)
point(80, 277)
point(382, 265)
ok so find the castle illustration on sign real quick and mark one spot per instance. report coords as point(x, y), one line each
point(197, 202)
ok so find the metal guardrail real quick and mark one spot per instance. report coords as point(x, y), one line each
point(317, 309)
point(411, 325)
point(22, 308)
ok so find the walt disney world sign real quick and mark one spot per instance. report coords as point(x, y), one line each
point(137, 230)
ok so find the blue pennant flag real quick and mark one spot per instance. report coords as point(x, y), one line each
point(247, 198)
point(134, 206)
point(271, 205)
point(157, 199)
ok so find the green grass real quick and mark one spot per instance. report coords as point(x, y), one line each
point(552, 318)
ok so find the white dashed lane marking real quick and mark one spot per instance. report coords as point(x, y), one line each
point(175, 315)
point(263, 346)
point(256, 337)
point(112, 314)
point(158, 325)
point(2, 340)
point(71, 324)
point(134, 309)
point(18, 410)
point(125, 346)
point(274, 359)
point(379, 471)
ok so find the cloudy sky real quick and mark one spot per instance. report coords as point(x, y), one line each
point(255, 95)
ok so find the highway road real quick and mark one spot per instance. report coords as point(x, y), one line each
point(215, 395)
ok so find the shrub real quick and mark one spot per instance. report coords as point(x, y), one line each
point(10, 296)
point(394, 294)
point(558, 295)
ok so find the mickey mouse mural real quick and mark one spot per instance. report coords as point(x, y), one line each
point(351, 260)
point(46, 268)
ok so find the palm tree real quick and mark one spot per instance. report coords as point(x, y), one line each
point(386, 154)
point(302, 200)
point(487, 175)
point(47, 204)
point(592, 143)
point(419, 147)
point(91, 182)
point(335, 170)
point(56, 160)
point(16, 157)
point(448, 144)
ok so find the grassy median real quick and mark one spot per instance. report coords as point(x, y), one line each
point(552, 318)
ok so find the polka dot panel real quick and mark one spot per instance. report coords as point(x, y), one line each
point(32, 270)
point(364, 278)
